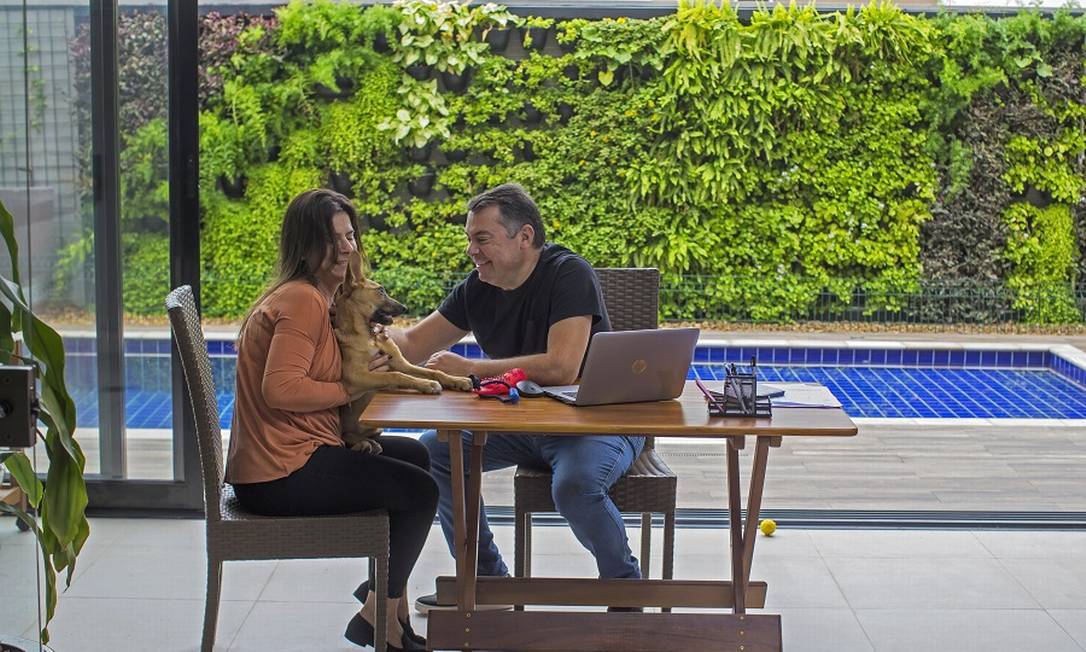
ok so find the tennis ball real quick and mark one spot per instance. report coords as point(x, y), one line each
point(768, 526)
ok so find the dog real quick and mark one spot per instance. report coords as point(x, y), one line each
point(361, 304)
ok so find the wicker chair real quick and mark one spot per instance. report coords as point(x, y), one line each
point(631, 296)
point(236, 535)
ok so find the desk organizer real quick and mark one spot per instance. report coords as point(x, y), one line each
point(740, 396)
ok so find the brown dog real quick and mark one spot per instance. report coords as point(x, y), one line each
point(360, 304)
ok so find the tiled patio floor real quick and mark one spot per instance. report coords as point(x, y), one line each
point(140, 586)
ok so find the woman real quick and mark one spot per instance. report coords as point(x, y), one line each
point(286, 455)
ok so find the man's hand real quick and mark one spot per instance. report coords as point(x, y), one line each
point(450, 363)
point(379, 362)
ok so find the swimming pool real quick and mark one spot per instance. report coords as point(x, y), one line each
point(871, 379)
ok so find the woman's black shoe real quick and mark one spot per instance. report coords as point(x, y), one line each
point(360, 594)
point(361, 633)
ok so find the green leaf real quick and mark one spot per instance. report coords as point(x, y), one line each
point(24, 475)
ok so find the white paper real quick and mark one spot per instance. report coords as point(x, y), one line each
point(801, 395)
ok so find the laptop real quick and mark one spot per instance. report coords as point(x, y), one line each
point(631, 367)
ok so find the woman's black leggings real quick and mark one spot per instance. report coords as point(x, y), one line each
point(339, 480)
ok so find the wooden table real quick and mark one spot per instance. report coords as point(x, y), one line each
point(468, 629)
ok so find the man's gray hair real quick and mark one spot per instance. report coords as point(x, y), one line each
point(515, 207)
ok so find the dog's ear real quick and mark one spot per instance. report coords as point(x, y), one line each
point(355, 268)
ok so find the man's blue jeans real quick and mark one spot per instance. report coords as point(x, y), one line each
point(584, 469)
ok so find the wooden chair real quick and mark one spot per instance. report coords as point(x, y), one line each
point(236, 535)
point(649, 486)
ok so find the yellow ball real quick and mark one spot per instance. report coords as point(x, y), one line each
point(768, 526)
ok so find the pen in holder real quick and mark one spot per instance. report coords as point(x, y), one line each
point(740, 395)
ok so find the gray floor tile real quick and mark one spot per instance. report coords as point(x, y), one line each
point(295, 626)
point(958, 630)
point(928, 583)
point(891, 544)
point(823, 630)
point(111, 625)
point(1034, 544)
point(167, 573)
point(1073, 622)
point(315, 580)
point(1056, 583)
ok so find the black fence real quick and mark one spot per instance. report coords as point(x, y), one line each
point(933, 302)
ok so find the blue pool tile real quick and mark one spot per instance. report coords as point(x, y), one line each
point(701, 354)
point(869, 383)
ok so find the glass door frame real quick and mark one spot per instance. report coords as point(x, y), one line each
point(110, 490)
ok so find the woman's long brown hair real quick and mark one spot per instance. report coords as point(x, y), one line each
point(303, 243)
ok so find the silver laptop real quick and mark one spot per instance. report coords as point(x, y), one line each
point(632, 366)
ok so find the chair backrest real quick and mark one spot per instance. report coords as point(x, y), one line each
point(196, 363)
point(632, 296)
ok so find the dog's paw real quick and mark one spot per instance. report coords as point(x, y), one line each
point(430, 387)
point(367, 446)
point(458, 383)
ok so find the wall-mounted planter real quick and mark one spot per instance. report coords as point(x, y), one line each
point(1038, 198)
point(565, 112)
point(532, 115)
point(420, 71)
point(572, 71)
point(273, 153)
point(566, 46)
point(455, 155)
point(422, 185)
point(346, 89)
point(537, 35)
point(233, 188)
point(342, 183)
point(456, 83)
point(420, 154)
point(380, 43)
point(496, 120)
point(498, 39)
point(524, 151)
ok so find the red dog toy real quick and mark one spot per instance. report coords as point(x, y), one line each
point(503, 387)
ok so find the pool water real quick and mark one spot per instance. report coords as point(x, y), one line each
point(879, 383)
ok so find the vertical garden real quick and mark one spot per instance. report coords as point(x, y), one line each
point(866, 163)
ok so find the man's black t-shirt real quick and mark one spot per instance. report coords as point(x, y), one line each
point(509, 323)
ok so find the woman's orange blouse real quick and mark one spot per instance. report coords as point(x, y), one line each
point(288, 390)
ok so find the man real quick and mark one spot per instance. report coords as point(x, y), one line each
point(535, 306)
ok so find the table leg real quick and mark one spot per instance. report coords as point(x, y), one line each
point(456, 462)
point(473, 506)
point(754, 503)
point(735, 525)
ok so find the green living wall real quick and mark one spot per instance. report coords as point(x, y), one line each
point(761, 164)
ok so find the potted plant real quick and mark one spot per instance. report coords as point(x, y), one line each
point(60, 500)
point(534, 32)
point(422, 185)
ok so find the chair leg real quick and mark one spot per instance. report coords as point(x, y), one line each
point(380, 638)
point(669, 547)
point(518, 543)
point(528, 544)
point(518, 548)
point(211, 603)
point(646, 543)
